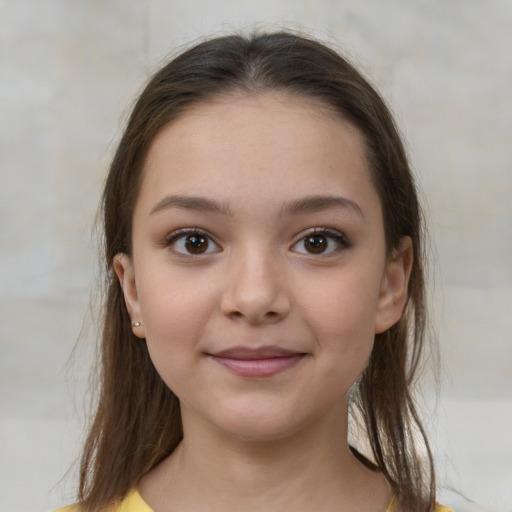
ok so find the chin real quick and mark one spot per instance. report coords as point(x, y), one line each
point(260, 431)
point(266, 423)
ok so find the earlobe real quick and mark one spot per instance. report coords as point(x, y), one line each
point(123, 267)
point(394, 289)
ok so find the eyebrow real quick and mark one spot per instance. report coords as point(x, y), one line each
point(319, 203)
point(304, 205)
point(201, 204)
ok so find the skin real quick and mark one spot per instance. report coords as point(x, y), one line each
point(266, 442)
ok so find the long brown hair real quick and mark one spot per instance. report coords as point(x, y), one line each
point(137, 422)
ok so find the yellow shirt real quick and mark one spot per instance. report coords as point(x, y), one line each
point(134, 503)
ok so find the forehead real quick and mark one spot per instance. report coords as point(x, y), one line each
point(266, 101)
point(273, 144)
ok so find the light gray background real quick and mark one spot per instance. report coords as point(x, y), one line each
point(68, 71)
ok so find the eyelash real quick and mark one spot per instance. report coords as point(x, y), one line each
point(175, 236)
point(339, 238)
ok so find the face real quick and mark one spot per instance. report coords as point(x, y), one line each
point(258, 273)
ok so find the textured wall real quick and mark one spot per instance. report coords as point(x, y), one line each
point(68, 70)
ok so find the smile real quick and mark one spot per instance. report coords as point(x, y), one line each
point(257, 363)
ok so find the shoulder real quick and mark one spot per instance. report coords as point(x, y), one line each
point(439, 508)
point(133, 502)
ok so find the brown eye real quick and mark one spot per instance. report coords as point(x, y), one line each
point(190, 242)
point(315, 244)
point(321, 241)
point(196, 244)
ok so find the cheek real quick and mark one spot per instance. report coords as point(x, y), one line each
point(345, 341)
point(171, 319)
point(173, 303)
point(174, 312)
point(343, 307)
point(341, 313)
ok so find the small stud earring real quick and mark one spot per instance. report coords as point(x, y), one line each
point(136, 324)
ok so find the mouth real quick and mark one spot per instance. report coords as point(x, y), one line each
point(257, 363)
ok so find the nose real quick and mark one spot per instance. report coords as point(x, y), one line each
point(256, 289)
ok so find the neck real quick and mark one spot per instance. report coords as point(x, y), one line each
point(314, 468)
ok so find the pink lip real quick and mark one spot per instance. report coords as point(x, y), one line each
point(263, 362)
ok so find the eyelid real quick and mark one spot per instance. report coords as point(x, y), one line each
point(177, 234)
point(333, 234)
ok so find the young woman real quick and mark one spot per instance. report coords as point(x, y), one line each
point(264, 312)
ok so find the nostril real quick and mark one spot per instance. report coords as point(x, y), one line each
point(253, 304)
point(268, 316)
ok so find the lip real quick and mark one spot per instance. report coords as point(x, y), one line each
point(257, 363)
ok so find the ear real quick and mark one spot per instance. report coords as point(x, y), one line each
point(123, 267)
point(394, 288)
